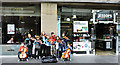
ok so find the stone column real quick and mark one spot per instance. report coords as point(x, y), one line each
point(49, 18)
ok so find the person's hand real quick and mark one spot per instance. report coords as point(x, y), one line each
point(21, 49)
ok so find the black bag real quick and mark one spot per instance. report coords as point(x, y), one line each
point(49, 59)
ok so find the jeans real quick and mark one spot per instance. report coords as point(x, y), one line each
point(37, 53)
point(57, 53)
point(29, 51)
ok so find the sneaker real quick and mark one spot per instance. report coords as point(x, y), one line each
point(61, 59)
point(27, 59)
point(38, 59)
point(57, 59)
point(18, 60)
point(70, 59)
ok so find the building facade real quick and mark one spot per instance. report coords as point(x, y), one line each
point(36, 16)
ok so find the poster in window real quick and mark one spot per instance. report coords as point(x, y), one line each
point(80, 26)
point(10, 28)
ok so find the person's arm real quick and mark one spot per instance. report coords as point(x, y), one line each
point(25, 41)
point(20, 49)
point(8, 41)
point(45, 41)
point(54, 41)
point(70, 48)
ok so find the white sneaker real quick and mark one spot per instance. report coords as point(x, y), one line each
point(57, 59)
point(18, 60)
point(27, 59)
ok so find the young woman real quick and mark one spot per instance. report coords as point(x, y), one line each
point(29, 41)
point(37, 43)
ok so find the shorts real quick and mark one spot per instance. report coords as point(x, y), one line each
point(53, 47)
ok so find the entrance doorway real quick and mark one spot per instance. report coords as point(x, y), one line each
point(105, 43)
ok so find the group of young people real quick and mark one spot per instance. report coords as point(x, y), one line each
point(58, 46)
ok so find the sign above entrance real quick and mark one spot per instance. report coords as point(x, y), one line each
point(104, 16)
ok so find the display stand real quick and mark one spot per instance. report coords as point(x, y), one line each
point(81, 42)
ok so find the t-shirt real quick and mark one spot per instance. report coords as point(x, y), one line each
point(47, 43)
point(37, 44)
point(53, 40)
point(10, 41)
point(57, 45)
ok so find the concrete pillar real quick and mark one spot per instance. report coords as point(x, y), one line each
point(49, 17)
point(0, 33)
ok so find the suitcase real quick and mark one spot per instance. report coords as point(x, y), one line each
point(49, 59)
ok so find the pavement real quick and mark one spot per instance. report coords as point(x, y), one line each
point(75, 59)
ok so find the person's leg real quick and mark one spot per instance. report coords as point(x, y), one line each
point(31, 51)
point(39, 53)
point(19, 54)
point(28, 51)
point(54, 50)
point(27, 55)
point(51, 49)
point(70, 56)
point(57, 53)
point(35, 53)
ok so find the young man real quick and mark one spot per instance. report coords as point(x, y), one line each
point(37, 43)
point(57, 47)
point(47, 41)
point(22, 48)
point(53, 41)
point(29, 45)
point(43, 37)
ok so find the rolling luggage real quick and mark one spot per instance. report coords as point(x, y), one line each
point(49, 59)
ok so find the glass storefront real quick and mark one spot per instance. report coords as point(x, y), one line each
point(102, 28)
point(25, 19)
point(19, 19)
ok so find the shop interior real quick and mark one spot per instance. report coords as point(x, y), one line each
point(24, 16)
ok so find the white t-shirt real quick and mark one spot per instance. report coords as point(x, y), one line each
point(10, 41)
point(57, 45)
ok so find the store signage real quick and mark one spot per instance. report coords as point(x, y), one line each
point(80, 26)
point(81, 46)
point(104, 16)
point(10, 28)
